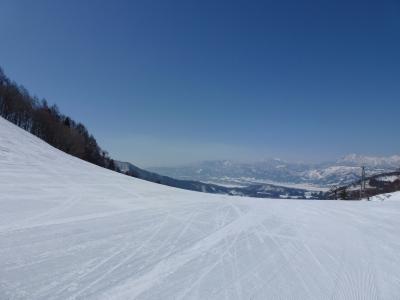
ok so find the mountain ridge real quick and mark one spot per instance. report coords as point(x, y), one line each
point(324, 175)
point(260, 190)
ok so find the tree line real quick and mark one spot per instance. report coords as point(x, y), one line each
point(47, 123)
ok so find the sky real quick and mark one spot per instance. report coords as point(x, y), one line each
point(163, 83)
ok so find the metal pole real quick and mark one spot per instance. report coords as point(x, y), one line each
point(362, 184)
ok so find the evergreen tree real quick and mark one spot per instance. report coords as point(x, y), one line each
point(343, 194)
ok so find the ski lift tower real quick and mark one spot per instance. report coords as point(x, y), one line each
point(362, 183)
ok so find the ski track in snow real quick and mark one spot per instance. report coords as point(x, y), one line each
point(71, 230)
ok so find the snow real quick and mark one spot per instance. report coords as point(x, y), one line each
point(72, 230)
point(383, 197)
point(246, 181)
point(388, 178)
point(331, 171)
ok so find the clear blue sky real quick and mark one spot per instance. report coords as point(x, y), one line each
point(168, 82)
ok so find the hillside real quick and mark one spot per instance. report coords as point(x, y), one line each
point(62, 132)
point(72, 230)
point(132, 170)
point(374, 185)
point(47, 123)
point(254, 190)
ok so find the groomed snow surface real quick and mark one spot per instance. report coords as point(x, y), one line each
point(72, 230)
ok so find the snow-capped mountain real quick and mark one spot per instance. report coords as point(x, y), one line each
point(279, 172)
point(371, 161)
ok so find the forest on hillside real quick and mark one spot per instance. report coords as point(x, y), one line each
point(47, 123)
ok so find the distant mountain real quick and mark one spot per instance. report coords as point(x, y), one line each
point(253, 190)
point(283, 173)
point(274, 191)
point(370, 161)
point(131, 170)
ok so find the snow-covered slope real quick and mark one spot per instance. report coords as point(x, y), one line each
point(71, 230)
point(382, 197)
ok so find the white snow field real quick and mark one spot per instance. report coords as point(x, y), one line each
point(72, 230)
